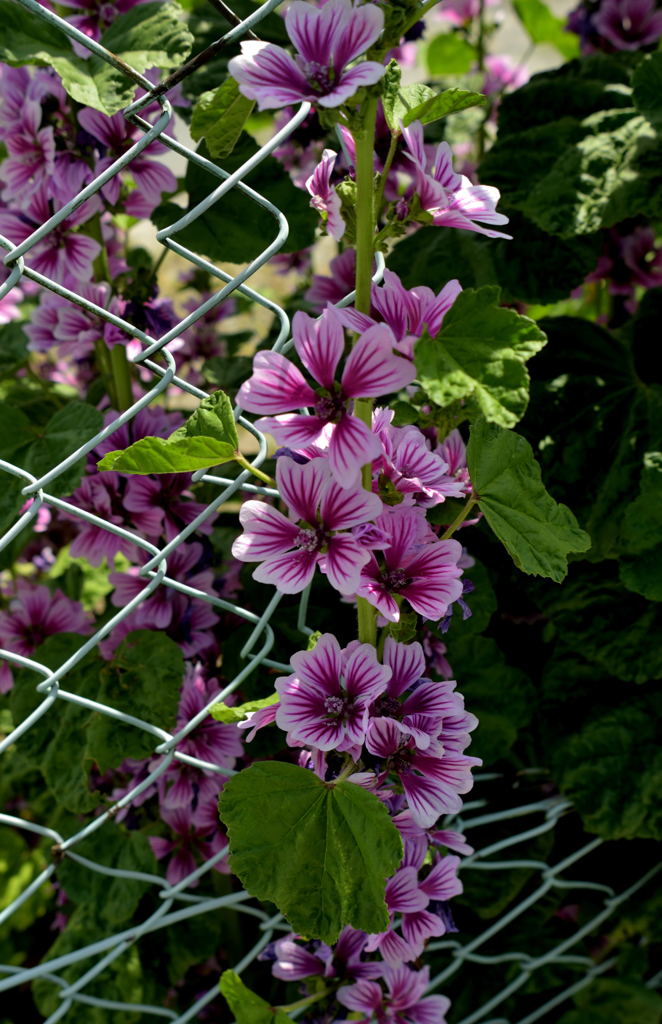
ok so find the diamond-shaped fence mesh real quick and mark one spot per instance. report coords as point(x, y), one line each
point(177, 903)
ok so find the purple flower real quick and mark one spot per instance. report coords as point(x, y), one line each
point(324, 704)
point(320, 509)
point(403, 1003)
point(327, 39)
point(190, 620)
point(503, 75)
point(58, 322)
point(415, 901)
point(450, 197)
point(96, 16)
point(162, 506)
point(330, 290)
point(427, 574)
point(101, 495)
point(194, 832)
point(417, 840)
point(628, 24)
point(113, 136)
point(293, 960)
point(421, 714)
point(219, 743)
point(461, 12)
point(34, 614)
point(277, 386)
point(417, 472)
point(407, 313)
point(31, 157)
point(63, 254)
point(324, 196)
point(432, 780)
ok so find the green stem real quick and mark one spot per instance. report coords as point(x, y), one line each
point(245, 464)
point(348, 768)
point(120, 369)
point(392, 149)
point(364, 140)
point(480, 58)
point(306, 1001)
point(459, 519)
point(100, 265)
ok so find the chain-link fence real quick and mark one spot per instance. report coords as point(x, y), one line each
point(177, 903)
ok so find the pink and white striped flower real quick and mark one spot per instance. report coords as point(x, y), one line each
point(327, 39)
point(450, 197)
point(324, 197)
point(278, 386)
point(407, 312)
point(321, 511)
point(427, 574)
point(404, 1003)
point(432, 780)
point(325, 702)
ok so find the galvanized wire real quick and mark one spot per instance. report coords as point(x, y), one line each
point(176, 904)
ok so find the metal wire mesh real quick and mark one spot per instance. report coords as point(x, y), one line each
point(176, 904)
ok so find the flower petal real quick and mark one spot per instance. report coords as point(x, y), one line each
point(276, 385)
point(266, 532)
point(366, 73)
point(362, 28)
point(290, 573)
point(319, 344)
point(352, 446)
point(342, 507)
point(321, 667)
point(343, 562)
point(294, 430)
point(301, 486)
point(372, 369)
point(407, 664)
point(269, 75)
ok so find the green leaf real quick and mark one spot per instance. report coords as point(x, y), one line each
point(219, 117)
point(449, 54)
point(500, 695)
point(144, 679)
point(399, 105)
point(641, 566)
point(612, 771)
point(208, 437)
point(439, 105)
point(227, 373)
point(573, 154)
point(247, 1006)
point(390, 88)
point(13, 347)
point(150, 35)
point(537, 532)
point(111, 847)
point(544, 27)
point(235, 229)
point(66, 431)
point(237, 713)
point(320, 852)
point(647, 87)
point(11, 501)
point(479, 354)
point(16, 431)
point(616, 1001)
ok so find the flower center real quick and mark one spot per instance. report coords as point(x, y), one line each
point(396, 579)
point(386, 707)
point(330, 407)
point(310, 540)
point(400, 761)
point(320, 76)
point(335, 706)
